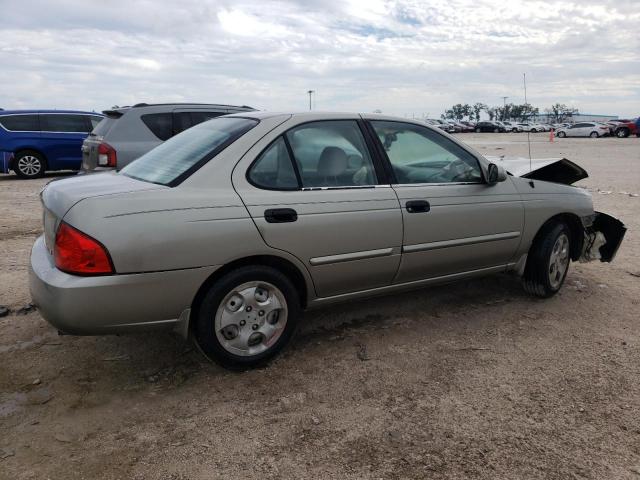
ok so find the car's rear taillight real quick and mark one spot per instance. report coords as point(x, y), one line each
point(79, 254)
point(106, 155)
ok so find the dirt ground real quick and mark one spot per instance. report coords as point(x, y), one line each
point(473, 380)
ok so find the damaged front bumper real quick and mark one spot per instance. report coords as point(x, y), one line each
point(603, 235)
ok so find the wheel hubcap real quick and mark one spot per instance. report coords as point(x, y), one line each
point(559, 261)
point(29, 165)
point(251, 318)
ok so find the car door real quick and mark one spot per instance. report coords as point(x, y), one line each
point(314, 191)
point(62, 135)
point(454, 222)
point(580, 130)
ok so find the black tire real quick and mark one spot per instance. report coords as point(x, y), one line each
point(478, 130)
point(561, 134)
point(622, 133)
point(594, 135)
point(533, 130)
point(496, 130)
point(29, 164)
point(204, 322)
point(536, 279)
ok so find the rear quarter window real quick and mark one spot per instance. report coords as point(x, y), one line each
point(160, 124)
point(20, 123)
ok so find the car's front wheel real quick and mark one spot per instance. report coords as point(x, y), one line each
point(562, 134)
point(247, 317)
point(622, 133)
point(594, 135)
point(29, 164)
point(548, 261)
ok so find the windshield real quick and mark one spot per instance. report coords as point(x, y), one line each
point(178, 157)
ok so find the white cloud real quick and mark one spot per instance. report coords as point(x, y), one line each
point(401, 56)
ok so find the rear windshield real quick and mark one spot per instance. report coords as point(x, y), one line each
point(178, 157)
point(103, 127)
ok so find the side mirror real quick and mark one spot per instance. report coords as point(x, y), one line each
point(495, 174)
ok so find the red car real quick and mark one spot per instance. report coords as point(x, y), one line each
point(624, 128)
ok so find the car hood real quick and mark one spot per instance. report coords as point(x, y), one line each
point(60, 195)
point(556, 170)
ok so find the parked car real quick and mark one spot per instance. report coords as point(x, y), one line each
point(487, 126)
point(129, 132)
point(34, 141)
point(584, 129)
point(623, 128)
point(511, 127)
point(530, 127)
point(465, 127)
point(229, 230)
point(441, 124)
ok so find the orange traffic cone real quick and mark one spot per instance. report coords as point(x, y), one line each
point(552, 135)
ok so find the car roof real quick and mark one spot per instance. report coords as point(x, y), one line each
point(259, 115)
point(13, 112)
point(161, 106)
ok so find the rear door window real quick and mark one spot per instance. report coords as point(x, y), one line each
point(160, 124)
point(331, 154)
point(20, 123)
point(60, 122)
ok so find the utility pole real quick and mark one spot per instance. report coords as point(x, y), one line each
point(504, 108)
point(310, 92)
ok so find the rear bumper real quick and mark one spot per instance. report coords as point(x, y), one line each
point(113, 303)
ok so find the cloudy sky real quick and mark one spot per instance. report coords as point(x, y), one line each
point(404, 57)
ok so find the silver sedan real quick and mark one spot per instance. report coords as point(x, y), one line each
point(229, 230)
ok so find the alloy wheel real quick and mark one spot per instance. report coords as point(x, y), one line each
point(29, 165)
point(559, 261)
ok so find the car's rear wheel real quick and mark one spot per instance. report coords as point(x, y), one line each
point(478, 130)
point(548, 261)
point(29, 164)
point(247, 317)
point(622, 133)
point(533, 130)
point(561, 134)
point(594, 135)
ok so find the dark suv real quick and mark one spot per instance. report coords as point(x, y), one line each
point(129, 132)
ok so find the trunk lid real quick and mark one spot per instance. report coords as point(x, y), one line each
point(60, 195)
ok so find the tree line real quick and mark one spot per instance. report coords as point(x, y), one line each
point(559, 112)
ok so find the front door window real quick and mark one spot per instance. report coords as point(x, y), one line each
point(419, 155)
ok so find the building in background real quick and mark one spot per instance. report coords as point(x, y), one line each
point(576, 117)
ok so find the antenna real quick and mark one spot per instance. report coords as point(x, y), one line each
point(524, 78)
